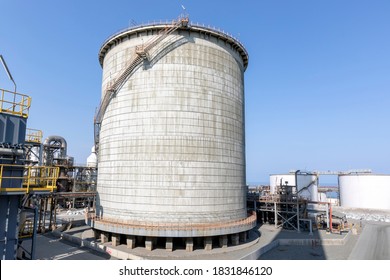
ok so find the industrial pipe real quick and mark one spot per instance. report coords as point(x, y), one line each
point(60, 139)
point(7, 71)
point(11, 152)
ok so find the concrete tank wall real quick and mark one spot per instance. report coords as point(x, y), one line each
point(304, 180)
point(172, 147)
point(368, 191)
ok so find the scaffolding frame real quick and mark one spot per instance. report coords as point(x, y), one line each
point(285, 205)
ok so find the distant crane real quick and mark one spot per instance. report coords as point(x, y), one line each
point(141, 53)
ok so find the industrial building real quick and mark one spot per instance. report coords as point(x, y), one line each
point(306, 182)
point(36, 177)
point(20, 182)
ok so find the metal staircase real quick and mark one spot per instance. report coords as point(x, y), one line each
point(141, 53)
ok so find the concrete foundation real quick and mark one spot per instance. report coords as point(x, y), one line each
point(189, 244)
point(169, 244)
point(243, 236)
point(235, 239)
point(115, 239)
point(104, 236)
point(223, 241)
point(208, 243)
point(149, 243)
point(130, 241)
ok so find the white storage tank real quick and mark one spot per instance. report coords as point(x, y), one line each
point(171, 158)
point(307, 184)
point(368, 191)
point(92, 158)
point(322, 197)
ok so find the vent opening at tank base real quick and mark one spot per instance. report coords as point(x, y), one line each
point(176, 236)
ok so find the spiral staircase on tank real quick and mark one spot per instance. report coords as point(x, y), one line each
point(142, 52)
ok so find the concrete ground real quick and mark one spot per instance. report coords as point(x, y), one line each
point(374, 243)
point(271, 238)
point(313, 251)
point(50, 247)
point(370, 242)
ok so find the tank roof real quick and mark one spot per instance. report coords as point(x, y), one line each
point(195, 27)
point(365, 174)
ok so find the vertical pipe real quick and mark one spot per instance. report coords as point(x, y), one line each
point(40, 154)
point(41, 204)
point(44, 212)
point(51, 213)
point(338, 186)
point(94, 204)
point(34, 234)
point(327, 216)
point(296, 181)
point(55, 213)
point(330, 217)
point(74, 176)
point(276, 215)
point(297, 191)
point(298, 215)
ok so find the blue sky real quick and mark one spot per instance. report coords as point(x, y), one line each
point(317, 86)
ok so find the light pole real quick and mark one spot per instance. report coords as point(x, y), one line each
point(7, 70)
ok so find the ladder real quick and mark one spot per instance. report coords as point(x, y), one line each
point(141, 53)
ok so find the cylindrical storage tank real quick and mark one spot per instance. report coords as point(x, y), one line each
point(368, 191)
point(307, 184)
point(171, 159)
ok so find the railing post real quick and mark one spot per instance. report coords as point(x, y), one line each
point(1, 176)
point(1, 101)
point(21, 106)
point(28, 179)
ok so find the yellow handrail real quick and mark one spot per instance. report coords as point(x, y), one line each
point(14, 103)
point(34, 135)
point(34, 178)
point(26, 230)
